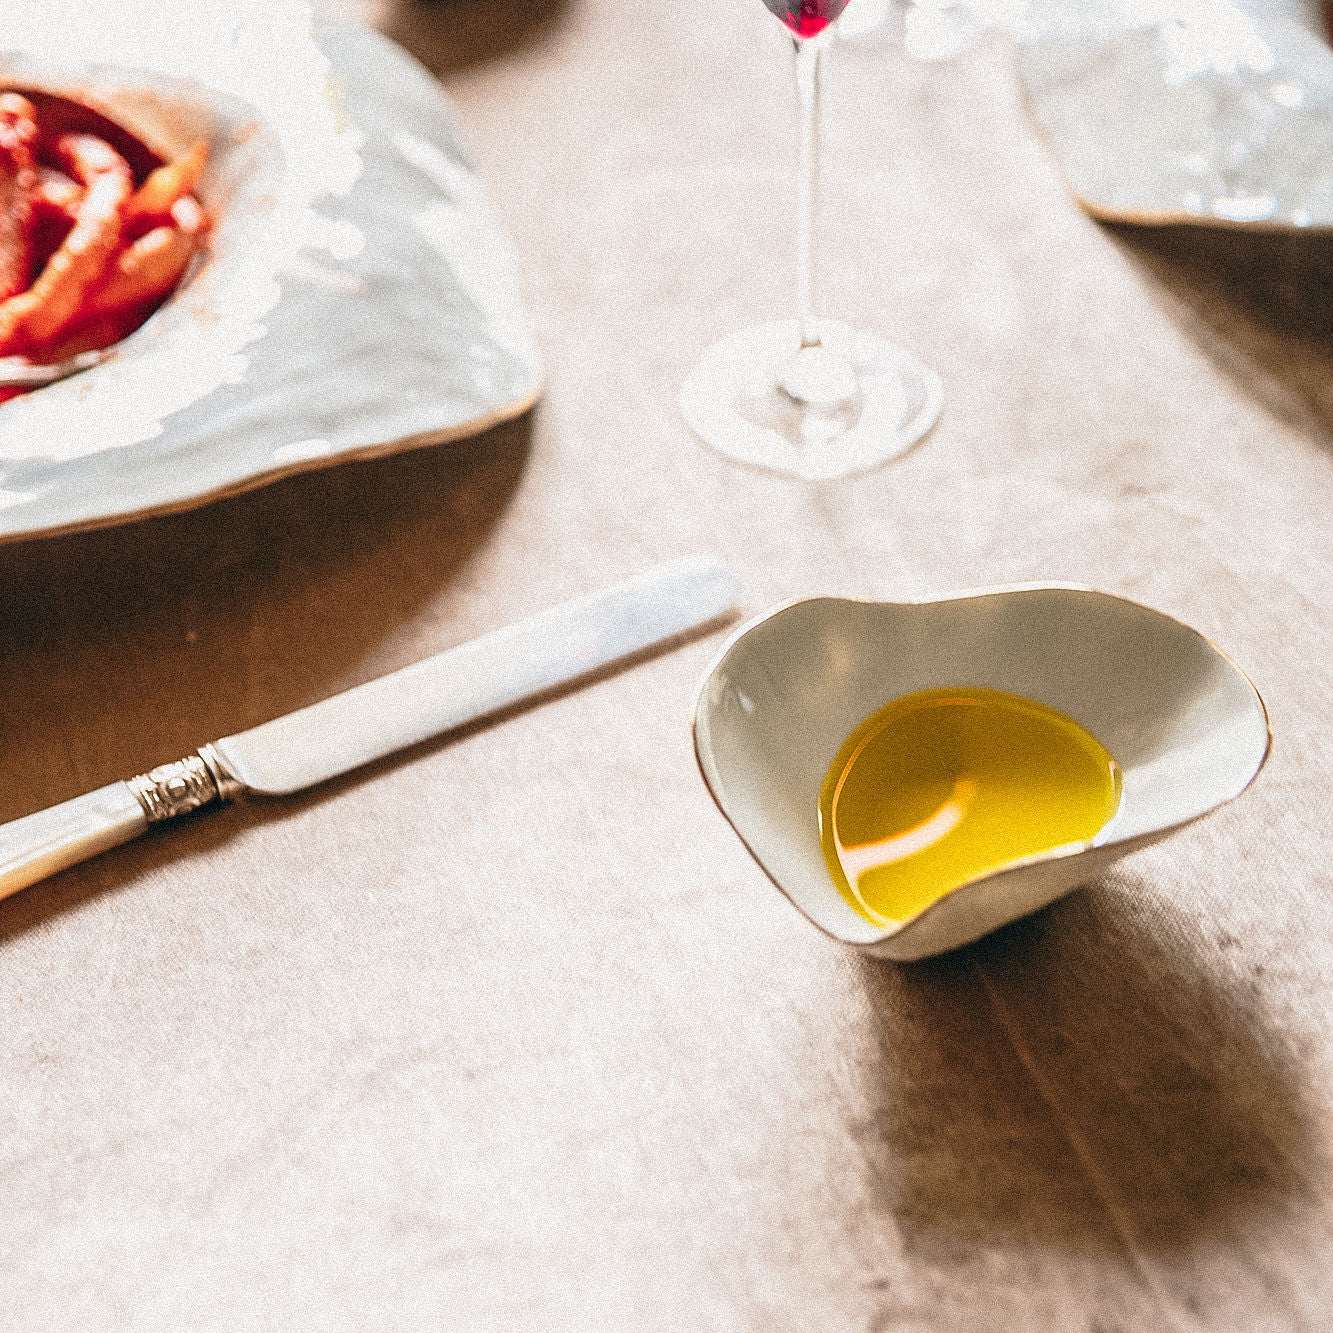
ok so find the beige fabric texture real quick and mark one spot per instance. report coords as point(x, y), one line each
point(511, 1033)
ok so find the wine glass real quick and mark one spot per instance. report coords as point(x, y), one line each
point(809, 397)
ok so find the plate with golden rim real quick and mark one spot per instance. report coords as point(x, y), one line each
point(1212, 112)
point(358, 299)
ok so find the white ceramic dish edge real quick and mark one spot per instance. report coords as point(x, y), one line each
point(382, 316)
point(967, 913)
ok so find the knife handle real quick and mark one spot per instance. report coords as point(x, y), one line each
point(40, 844)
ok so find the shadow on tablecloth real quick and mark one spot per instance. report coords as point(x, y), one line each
point(131, 646)
point(1085, 1081)
point(452, 35)
point(1260, 306)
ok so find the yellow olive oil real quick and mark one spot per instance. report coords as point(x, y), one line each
point(943, 786)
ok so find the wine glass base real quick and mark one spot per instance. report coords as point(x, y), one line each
point(734, 402)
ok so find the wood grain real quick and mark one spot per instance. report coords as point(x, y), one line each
point(510, 1033)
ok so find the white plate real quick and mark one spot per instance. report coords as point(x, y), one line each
point(1159, 111)
point(359, 298)
point(1203, 111)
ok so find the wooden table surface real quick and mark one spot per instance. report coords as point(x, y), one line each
point(511, 1033)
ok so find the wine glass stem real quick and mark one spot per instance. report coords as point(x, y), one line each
point(808, 56)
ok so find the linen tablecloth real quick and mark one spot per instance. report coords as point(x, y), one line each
point(510, 1032)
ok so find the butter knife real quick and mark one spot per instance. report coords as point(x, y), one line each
point(348, 730)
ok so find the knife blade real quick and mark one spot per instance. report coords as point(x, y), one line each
point(346, 731)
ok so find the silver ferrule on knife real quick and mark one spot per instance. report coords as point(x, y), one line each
point(171, 790)
point(370, 721)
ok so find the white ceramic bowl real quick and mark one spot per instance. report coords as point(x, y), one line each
point(1187, 727)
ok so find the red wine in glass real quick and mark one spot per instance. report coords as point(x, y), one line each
point(807, 18)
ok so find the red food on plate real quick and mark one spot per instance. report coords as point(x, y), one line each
point(167, 185)
point(96, 230)
point(18, 189)
point(52, 302)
